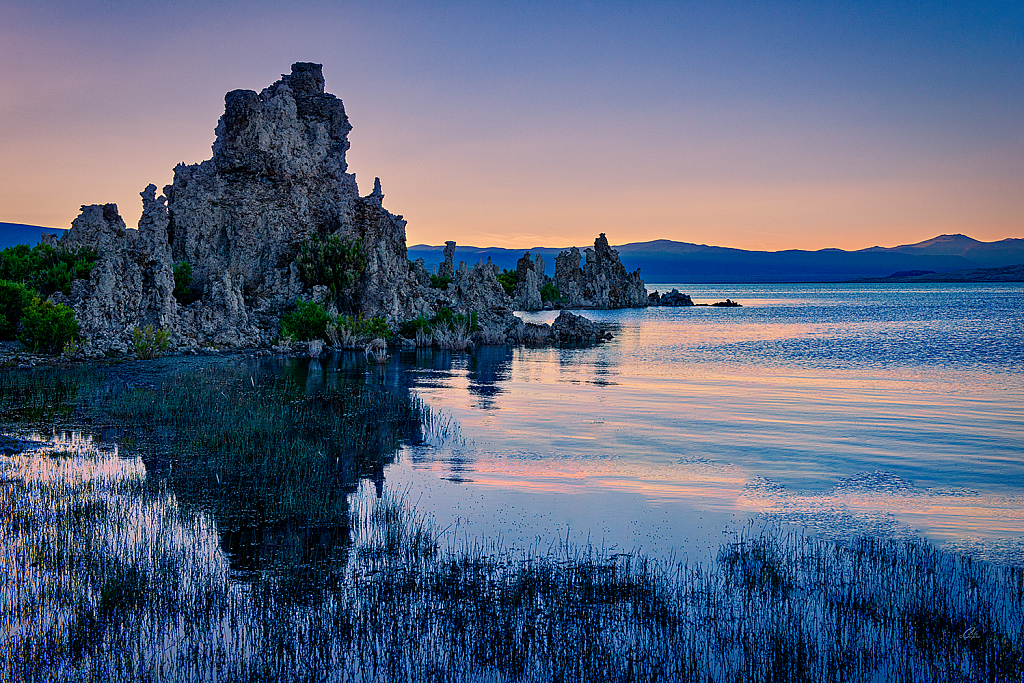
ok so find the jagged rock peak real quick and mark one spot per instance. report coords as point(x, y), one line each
point(602, 282)
point(377, 193)
point(306, 78)
point(266, 132)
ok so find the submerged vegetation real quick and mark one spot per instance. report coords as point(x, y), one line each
point(226, 538)
point(309, 320)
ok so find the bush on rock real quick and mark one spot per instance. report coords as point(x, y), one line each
point(47, 327)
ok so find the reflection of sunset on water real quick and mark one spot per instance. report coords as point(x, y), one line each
point(805, 387)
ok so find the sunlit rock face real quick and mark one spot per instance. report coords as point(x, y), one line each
point(602, 282)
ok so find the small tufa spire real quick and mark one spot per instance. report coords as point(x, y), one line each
point(377, 193)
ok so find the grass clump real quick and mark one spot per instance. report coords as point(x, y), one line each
point(355, 331)
point(309, 320)
point(447, 330)
point(150, 341)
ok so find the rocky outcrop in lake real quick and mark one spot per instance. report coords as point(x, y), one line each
point(602, 281)
point(529, 282)
point(277, 182)
point(673, 298)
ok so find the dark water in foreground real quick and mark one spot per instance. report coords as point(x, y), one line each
point(464, 517)
point(891, 410)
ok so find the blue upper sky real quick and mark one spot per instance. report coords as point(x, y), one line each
point(755, 125)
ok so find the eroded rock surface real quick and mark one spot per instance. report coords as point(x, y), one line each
point(530, 276)
point(131, 285)
point(673, 298)
point(602, 281)
point(277, 179)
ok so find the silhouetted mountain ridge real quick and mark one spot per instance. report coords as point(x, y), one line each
point(19, 233)
point(668, 261)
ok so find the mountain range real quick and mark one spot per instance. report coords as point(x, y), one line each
point(667, 261)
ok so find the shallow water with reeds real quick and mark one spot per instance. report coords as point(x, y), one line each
point(715, 494)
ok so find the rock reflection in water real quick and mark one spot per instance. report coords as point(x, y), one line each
point(271, 449)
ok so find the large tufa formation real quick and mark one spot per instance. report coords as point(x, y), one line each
point(275, 190)
point(602, 282)
point(277, 179)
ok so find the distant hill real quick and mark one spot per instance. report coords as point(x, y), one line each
point(666, 261)
point(1013, 273)
point(19, 233)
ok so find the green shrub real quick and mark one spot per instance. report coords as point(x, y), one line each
point(17, 263)
point(14, 299)
point(508, 279)
point(447, 316)
point(44, 268)
point(151, 341)
point(184, 292)
point(307, 321)
point(47, 327)
point(439, 281)
point(372, 328)
point(409, 328)
point(549, 292)
point(335, 263)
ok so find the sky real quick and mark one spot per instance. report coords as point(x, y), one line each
point(756, 125)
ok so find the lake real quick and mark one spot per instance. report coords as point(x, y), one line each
point(892, 410)
point(661, 506)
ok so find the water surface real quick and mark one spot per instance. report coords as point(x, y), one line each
point(894, 410)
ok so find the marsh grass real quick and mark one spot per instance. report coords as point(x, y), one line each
point(43, 395)
point(115, 568)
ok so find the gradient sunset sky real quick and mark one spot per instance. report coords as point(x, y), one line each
point(758, 125)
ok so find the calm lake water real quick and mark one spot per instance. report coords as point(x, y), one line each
point(895, 410)
point(241, 517)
